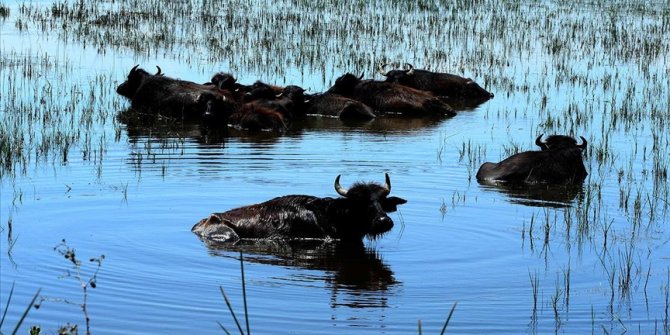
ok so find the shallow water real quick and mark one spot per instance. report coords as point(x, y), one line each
point(595, 256)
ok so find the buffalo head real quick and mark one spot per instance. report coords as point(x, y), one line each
point(396, 75)
point(560, 142)
point(135, 78)
point(368, 204)
point(345, 84)
point(225, 81)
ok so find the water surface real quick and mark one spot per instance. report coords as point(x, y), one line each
point(590, 259)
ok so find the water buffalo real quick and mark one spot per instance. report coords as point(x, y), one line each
point(225, 81)
point(360, 212)
point(265, 110)
point(256, 115)
point(156, 93)
point(559, 162)
point(289, 101)
point(390, 98)
point(450, 86)
point(335, 105)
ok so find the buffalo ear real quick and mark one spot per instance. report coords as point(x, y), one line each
point(390, 204)
point(213, 219)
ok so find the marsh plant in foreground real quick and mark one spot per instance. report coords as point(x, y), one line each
point(76, 273)
point(23, 316)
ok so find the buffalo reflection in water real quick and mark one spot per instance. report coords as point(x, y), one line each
point(538, 195)
point(349, 268)
point(144, 125)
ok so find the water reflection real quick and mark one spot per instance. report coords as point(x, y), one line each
point(461, 104)
point(390, 124)
point(352, 269)
point(142, 125)
point(149, 134)
point(538, 195)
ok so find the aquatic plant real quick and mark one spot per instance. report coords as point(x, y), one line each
point(85, 283)
point(25, 312)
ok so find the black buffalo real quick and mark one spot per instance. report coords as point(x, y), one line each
point(390, 98)
point(337, 106)
point(446, 85)
point(559, 162)
point(256, 116)
point(265, 110)
point(156, 93)
point(360, 212)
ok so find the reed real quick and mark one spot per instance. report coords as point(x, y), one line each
point(230, 307)
point(84, 282)
point(23, 316)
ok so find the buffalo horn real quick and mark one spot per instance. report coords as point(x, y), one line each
point(338, 188)
point(159, 72)
point(387, 184)
point(381, 69)
point(539, 143)
point(410, 69)
point(583, 145)
point(361, 77)
point(134, 68)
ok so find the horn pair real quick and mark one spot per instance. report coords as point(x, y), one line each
point(343, 191)
point(409, 69)
point(158, 73)
point(542, 144)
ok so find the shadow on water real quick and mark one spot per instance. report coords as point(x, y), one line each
point(353, 269)
point(388, 124)
point(465, 105)
point(151, 125)
point(538, 195)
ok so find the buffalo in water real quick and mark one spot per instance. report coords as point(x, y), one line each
point(337, 106)
point(158, 94)
point(558, 162)
point(265, 110)
point(391, 98)
point(360, 212)
point(450, 86)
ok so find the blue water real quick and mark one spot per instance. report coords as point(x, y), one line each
point(136, 195)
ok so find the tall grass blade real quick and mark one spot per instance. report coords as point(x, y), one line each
point(9, 299)
point(230, 308)
point(451, 312)
point(223, 328)
point(25, 313)
point(244, 295)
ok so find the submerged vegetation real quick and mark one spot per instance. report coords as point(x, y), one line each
point(599, 72)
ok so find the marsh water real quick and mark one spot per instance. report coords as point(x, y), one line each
point(587, 259)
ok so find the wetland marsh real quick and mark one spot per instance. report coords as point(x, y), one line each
point(587, 259)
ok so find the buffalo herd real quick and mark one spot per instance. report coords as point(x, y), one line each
point(261, 106)
point(360, 211)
